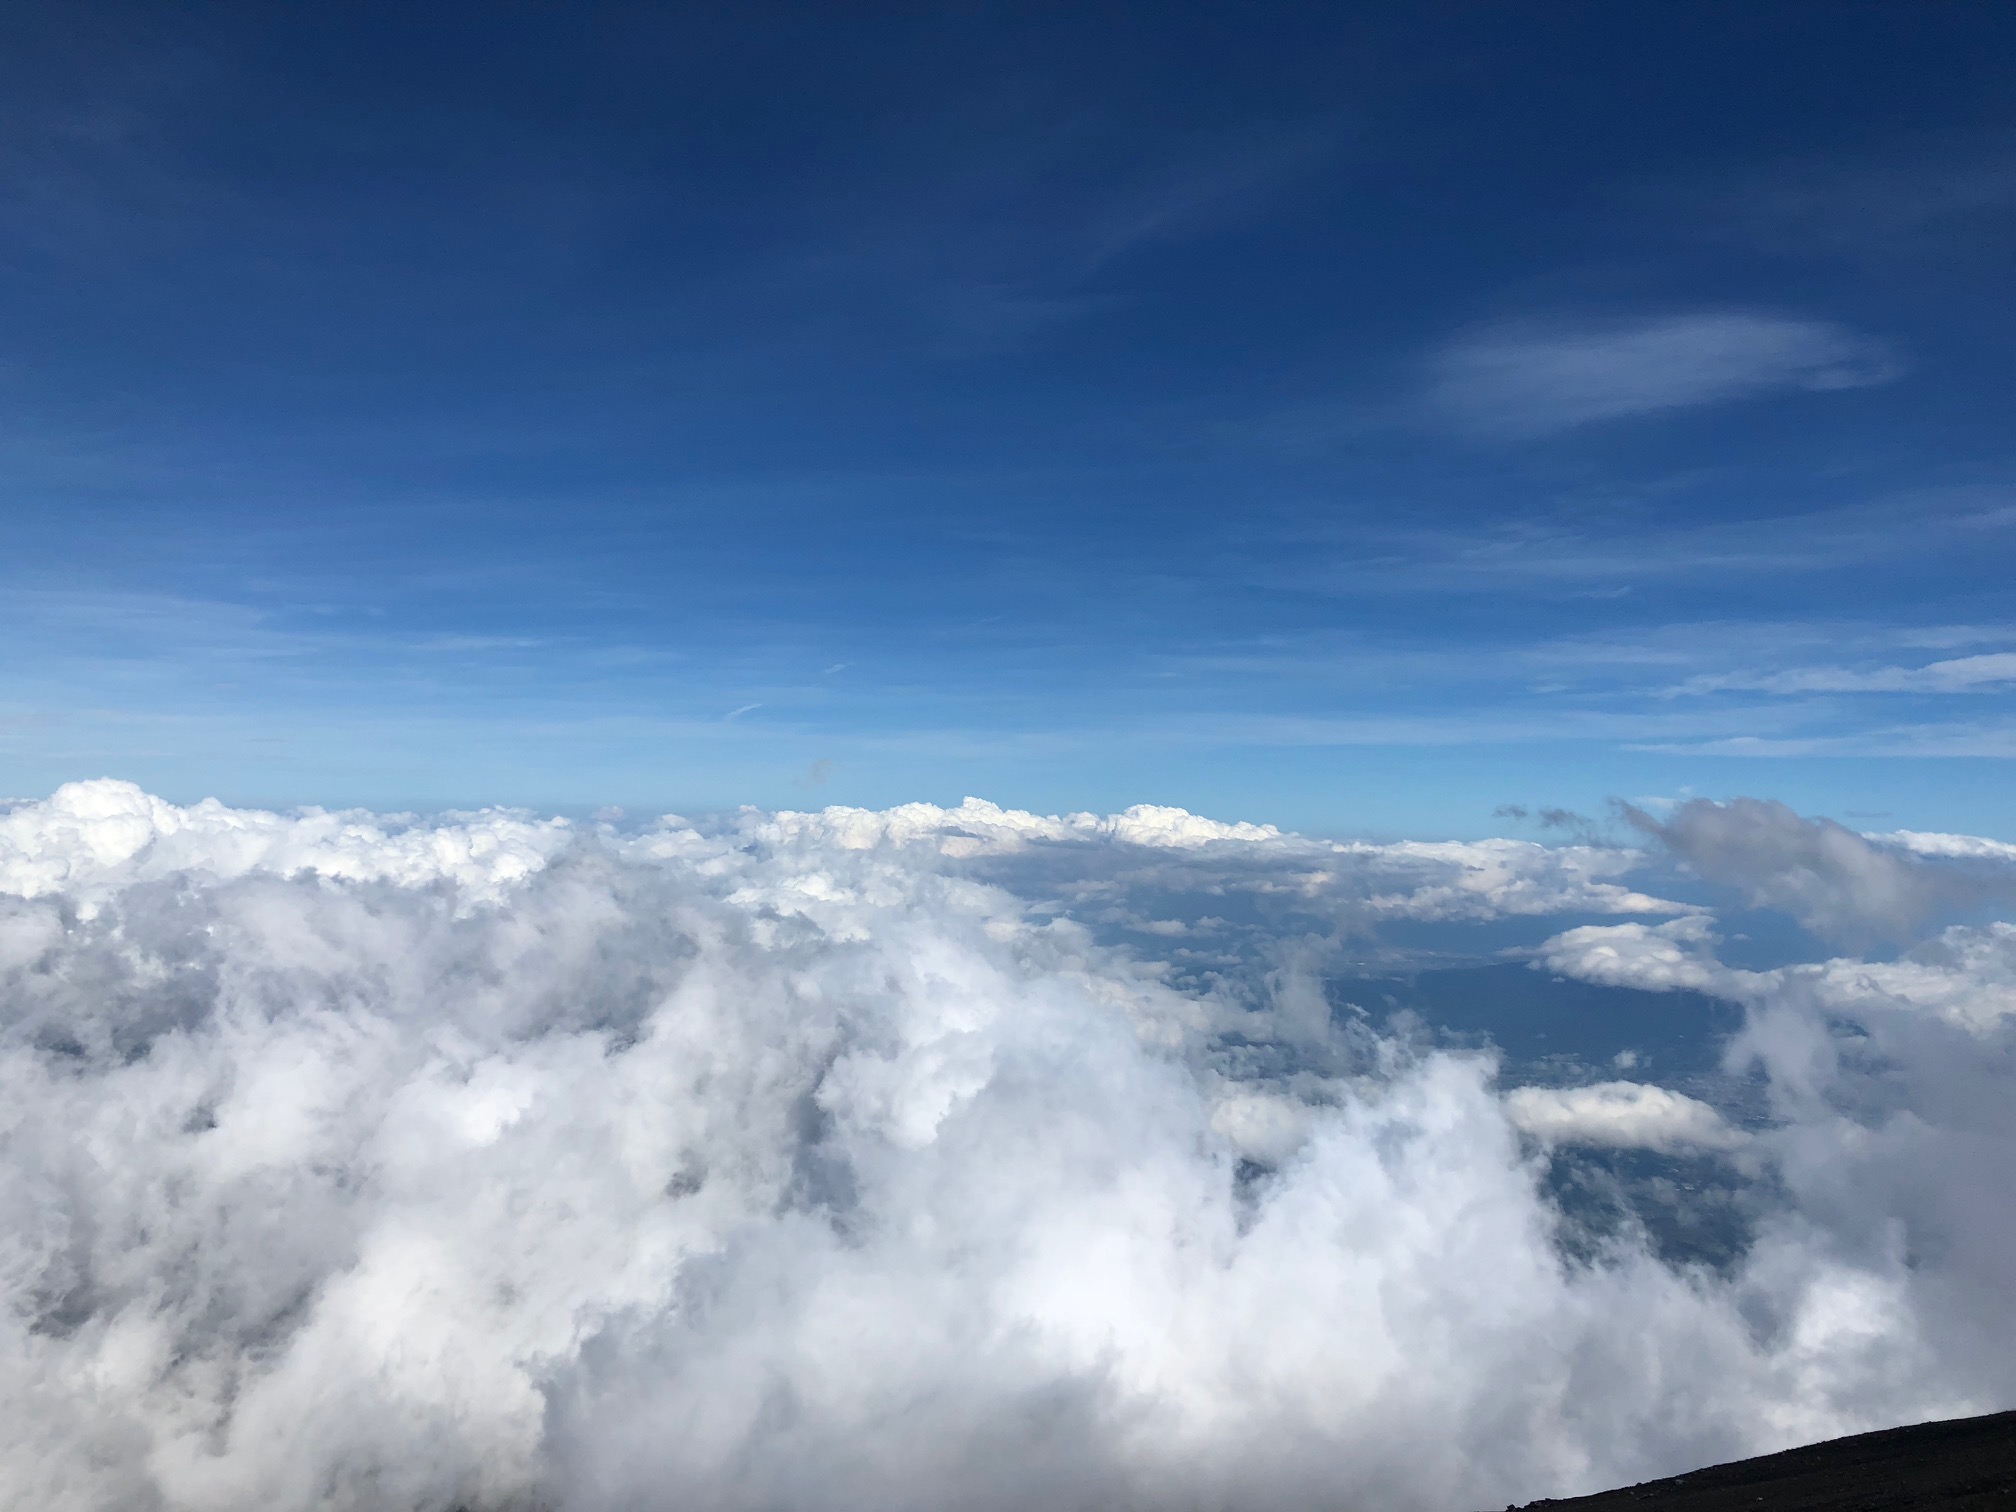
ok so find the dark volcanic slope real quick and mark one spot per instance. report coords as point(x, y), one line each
point(1966, 1463)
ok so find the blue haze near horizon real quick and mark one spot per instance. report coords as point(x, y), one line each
point(1357, 419)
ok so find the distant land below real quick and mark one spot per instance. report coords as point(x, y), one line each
point(1967, 1463)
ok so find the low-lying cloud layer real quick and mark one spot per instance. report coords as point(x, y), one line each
point(827, 1162)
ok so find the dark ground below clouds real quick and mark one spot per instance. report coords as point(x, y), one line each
point(1967, 1463)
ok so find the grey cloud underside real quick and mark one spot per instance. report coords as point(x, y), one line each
point(1843, 885)
point(830, 1161)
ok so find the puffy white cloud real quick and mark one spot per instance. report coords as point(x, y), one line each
point(90, 837)
point(1149, 853)
point(492, 1163)
point(1478, 879)
point(1648, 957)
point(1622, 1115)
point(93, 837)
point(1965, 975)
point(1532, 379)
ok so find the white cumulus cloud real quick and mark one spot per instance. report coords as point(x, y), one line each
point(798, 1162)
point(1623, 1115)
point(93, 836)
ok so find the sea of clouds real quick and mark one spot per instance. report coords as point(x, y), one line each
point(948, 1157)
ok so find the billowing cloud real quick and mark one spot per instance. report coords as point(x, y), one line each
point(1833, 880)
point(1888, 1110)
point(800, 1162)
point(1649, 957)
point(98, 835)
point(93, 837)
point(1965, 976)
point(1532, 379)
point(1157, 851)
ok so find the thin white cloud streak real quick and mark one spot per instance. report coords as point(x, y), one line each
point(1535, 379)
point(1529, 721)
point(1616, 661)
point(1960, 674)
point(1012, 244)
point(1577, 553)
point(492, 1162)
point(1933, 201)
point(1920, 741)
point(1931, 843)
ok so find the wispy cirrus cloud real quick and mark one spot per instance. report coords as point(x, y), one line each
point(1607, 551)
point(1947, 196)
point(1995, 739)
point(1534, 378)
point(1960, 674)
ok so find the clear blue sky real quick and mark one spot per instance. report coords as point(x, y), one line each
point(1351, 416)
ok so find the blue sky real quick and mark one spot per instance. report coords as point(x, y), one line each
point(1355, 418)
